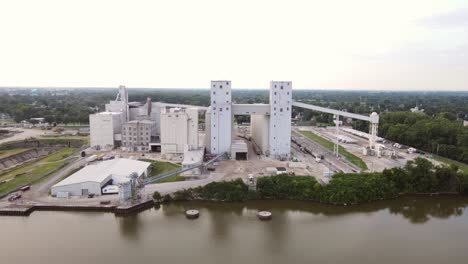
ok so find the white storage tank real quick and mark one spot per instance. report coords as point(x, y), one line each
point(125, 191)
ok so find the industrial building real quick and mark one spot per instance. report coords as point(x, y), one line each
point(138, 134)
point(137, 126)
point(105, 129)
point(172, 129)
point(271, 123)
point(179, 131)
point(92, 178)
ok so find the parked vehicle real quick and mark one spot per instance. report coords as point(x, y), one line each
point(110, 189)
point(25, 188)
point(396, 145)
point(91, 158)
point(411, 150)
point(14, 197)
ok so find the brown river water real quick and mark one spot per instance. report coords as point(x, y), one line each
point(406, 230)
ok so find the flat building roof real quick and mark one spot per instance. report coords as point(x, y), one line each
point(101, 171)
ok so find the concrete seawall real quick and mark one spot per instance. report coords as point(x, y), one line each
point(120, 210)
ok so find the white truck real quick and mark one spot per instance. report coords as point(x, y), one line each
point(110, 189)
point(411, 150)
point(91, 158)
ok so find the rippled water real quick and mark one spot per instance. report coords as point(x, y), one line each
point(406, 230)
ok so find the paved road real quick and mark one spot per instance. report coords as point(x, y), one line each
point(169, 187)
point(43, 187)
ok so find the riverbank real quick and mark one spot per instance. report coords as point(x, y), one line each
point(26, 210)
point(418, 177)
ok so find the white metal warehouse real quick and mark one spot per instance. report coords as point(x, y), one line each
point(92, 178)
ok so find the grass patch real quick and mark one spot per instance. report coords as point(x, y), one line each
point(160, 167)
point(42, 142)
point(84, 139)
point(325, 124)
point(7, 153)
point(329, 145)
point(174, 178)
point(9, 121)
point(32, 171)
point(462, 166)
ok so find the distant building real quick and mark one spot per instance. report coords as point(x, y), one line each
point(465, 123)
point(417, 110)
point(37, 120)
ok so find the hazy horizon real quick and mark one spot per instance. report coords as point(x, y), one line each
point(234, 88)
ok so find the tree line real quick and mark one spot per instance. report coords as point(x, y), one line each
point(440, 134)
point(417, 176)
point(76, 104)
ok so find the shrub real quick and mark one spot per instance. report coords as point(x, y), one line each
point(157, 197)
point(357, 188)
point(166, 198)
point(183, 195)
point(287, 187)
point(229, 191)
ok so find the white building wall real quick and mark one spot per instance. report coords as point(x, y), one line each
point(208, 129)
point(136, 112)
point(280, 119)
point(156, 116)
point(259, 130)
point(174, 132)
point(192, 114)
point(221, 117)
point(117, 106)
point(103, 127)
point(76, 189)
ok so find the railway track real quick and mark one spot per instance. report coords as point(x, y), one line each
point(313, 148)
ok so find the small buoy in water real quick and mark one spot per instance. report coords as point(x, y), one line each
point(264, 215)
point(192, 214)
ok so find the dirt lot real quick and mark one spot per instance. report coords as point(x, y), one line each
point(24, 133)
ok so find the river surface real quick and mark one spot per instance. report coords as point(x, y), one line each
point(406, 230)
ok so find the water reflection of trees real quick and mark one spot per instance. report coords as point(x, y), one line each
point(419, 211)
point(129, 225)
point(415, 209)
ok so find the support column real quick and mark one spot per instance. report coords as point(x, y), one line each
point(373, 137)
point(336, 147)
point(374, 125)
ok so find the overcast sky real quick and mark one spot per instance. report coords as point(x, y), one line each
point(375, 45)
